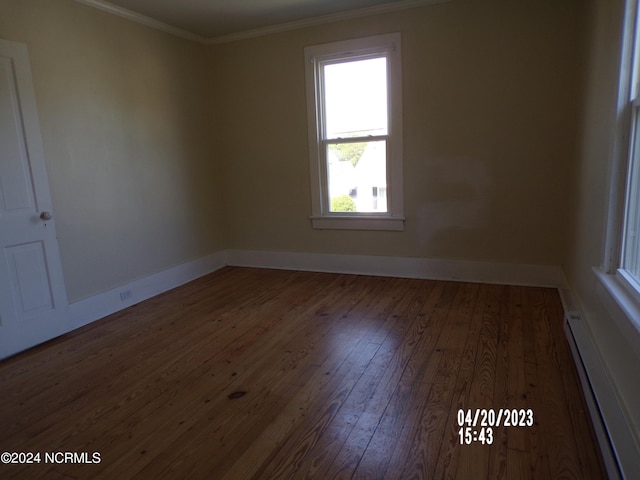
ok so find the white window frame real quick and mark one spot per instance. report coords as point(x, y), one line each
point(321, 216)
point(622, 287)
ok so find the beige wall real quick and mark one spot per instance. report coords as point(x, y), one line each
point(491, 107)
point(125, 118)
point(161, 150)
point(617, 341)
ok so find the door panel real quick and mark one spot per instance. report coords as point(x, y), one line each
point(30, 279)
point(14, 178)
point(33, 302)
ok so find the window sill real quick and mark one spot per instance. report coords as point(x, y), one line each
point(348, 222)
point(624, 294)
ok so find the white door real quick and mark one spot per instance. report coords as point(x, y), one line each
point(33, 302)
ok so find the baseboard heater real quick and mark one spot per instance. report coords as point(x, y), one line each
point(618, 445)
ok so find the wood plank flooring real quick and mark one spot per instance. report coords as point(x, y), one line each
point(267, 374)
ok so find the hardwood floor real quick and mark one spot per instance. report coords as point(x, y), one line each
point(265, 374)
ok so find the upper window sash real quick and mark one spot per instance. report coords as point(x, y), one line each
point(325, 120)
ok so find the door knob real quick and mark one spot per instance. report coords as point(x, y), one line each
point(46, 216)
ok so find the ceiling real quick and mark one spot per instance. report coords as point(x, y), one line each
point(213, 19)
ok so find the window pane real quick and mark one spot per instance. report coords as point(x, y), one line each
point(355, 96)
point(357, 176)
point(631, 257)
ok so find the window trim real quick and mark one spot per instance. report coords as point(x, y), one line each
point(321, 217)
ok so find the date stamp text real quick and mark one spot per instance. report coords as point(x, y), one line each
point(477, 425)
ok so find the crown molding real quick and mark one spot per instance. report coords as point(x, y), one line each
point(258, 32)
point(324, 19)
point(144, 20)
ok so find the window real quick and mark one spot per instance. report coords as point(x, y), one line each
point(620, 272)
point(630, 105)
point(355, 133)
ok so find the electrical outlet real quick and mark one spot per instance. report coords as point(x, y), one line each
point(125, 295)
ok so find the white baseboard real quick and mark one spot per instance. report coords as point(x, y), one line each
point(102, 304)
point(408, 267)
